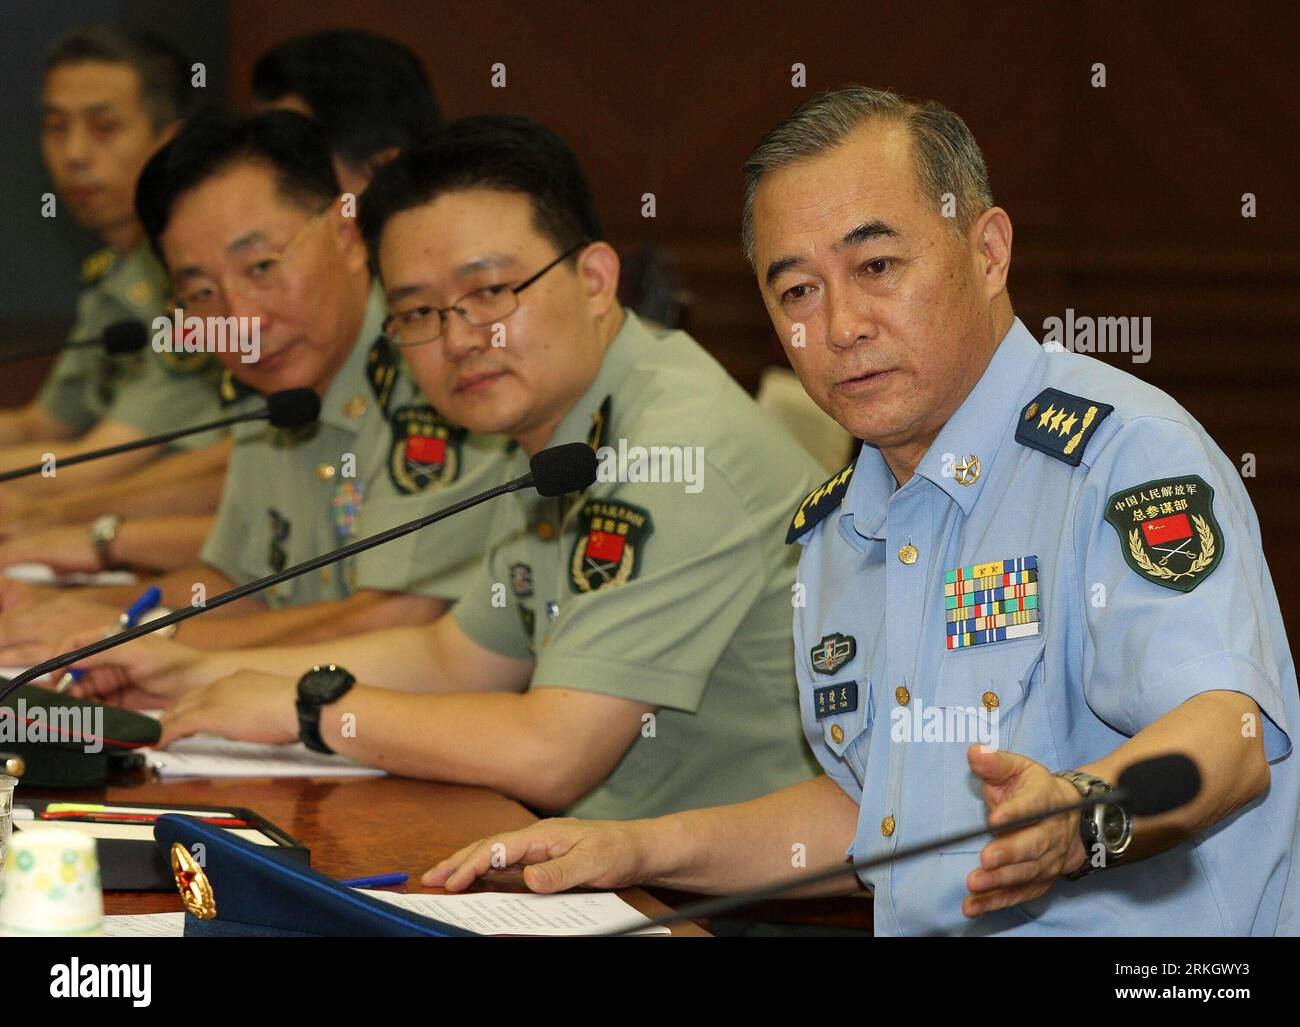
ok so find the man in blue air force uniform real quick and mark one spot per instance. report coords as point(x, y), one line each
point(1034, 550)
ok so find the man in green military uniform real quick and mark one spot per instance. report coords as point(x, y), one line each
point(619, 653)
point(248, 217)
point(110, 98)
point(383, 104)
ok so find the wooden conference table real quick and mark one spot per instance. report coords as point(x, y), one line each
point(354, 827)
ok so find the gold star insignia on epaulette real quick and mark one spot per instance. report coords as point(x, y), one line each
point(818, 503)
point(1054, 431)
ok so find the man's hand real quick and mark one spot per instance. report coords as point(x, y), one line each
point(65, 548)
point(148, 672)
point(249, 706)
point(16, 595)
point(44, 623)
point(16, 513)
point(1022, 865)
point(556, 855)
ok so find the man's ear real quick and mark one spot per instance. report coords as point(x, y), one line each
point(166, 134)
point(598, 268)
point(348, 234)
point(990, 238)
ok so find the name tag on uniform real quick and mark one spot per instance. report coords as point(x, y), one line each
point(830, 700)
point(991, 602)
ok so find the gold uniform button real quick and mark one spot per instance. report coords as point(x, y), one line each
point(902, 695)
point(1031, 411)
point(355, 407)
point(908, 554)
point(887, 826)
point(545, 530)
point(837, 734)
point(325, 472)
point(991, 701)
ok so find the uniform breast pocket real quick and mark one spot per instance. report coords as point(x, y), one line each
point(987, 698)
point(847, 734)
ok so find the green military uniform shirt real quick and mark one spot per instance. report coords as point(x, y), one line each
point(379, 456)
point(149, 391)
point(644, 590)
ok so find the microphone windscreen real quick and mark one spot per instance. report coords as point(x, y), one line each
point(1160, 784)
point(563, 469)
point(292, 408)
point(125, 337)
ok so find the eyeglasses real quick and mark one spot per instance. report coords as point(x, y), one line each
point(259, 279)
point(478, 309)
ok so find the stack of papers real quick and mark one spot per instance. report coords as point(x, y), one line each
point(489, 913)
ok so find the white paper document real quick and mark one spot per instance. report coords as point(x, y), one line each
point(43, 574)
point(570, 915)
point(484, 912)
point(211, 756)
point(145, 925)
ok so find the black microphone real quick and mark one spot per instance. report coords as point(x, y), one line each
point(289, 408)
point(1147, 788)
point(561, 469)
point(119, 338)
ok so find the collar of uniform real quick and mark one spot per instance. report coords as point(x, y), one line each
point(979, 426)
point(620, 358)
point(351, 380)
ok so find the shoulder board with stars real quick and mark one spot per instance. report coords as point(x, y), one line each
point(818, 503)
point(96, 266)
point(381, 369)
point(1059, 424)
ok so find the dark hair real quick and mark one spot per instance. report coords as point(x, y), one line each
point(292, 145)
point(506, 152)
point(164, 72)
point(369, 93)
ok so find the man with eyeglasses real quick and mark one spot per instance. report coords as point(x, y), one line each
point(249, 221)
point(619, 653)
point(371, 96)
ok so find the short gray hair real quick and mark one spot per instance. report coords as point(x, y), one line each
point(946, 156)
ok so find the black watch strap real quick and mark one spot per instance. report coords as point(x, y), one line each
point(319, 687)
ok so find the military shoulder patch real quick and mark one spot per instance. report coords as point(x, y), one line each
point(1167, 531)
point(818, 503)
point(1059, 424)
point(608, 550)
point(96, 266)
point(381, 370)
point(426, 449)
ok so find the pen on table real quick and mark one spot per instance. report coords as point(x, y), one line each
point(378, 881)
point(129, 618)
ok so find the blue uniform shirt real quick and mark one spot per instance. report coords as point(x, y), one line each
point(990, 599)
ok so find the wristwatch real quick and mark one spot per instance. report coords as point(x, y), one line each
point(319, 687)
point(103, 532)
point(1107, 823)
